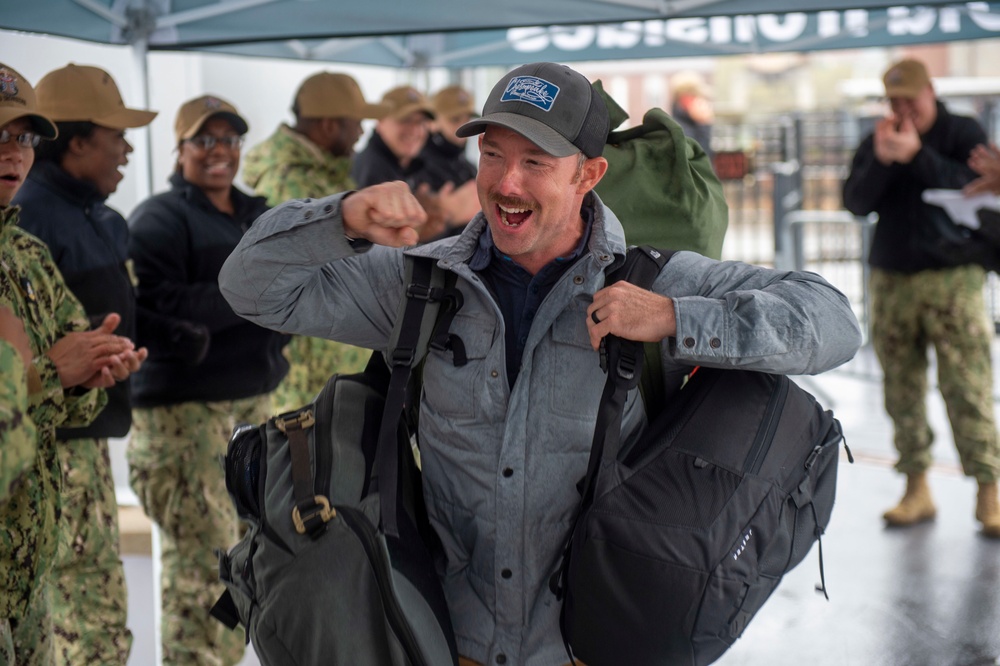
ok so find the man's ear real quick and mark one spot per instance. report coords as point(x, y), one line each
point(593, 170)
point(76, 145)
point(330, 126)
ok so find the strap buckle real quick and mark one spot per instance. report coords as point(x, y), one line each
point(300, 421)
point(403, 356)
point(321, 509)
point(424, 292)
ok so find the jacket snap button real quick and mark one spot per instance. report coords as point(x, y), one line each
point(689, 342)
point(307, 214)
point(501, 659)
point(508, 472)
point(494, 374)
point(716, 343)
point(328, 208)
point(577, 279)
point(506, 573)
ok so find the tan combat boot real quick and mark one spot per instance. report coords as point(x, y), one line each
point(916, 505)
point(988, 509)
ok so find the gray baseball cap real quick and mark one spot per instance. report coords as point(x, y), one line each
point(551, 105)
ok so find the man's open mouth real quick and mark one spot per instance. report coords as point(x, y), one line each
point(513, 217)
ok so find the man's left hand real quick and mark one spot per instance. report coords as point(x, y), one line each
point(630, 312)
point(901, 142)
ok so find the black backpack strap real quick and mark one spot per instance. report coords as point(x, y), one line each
point(430, 299)
point(623, 361)
point(629, 363)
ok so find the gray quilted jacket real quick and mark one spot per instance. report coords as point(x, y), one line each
point(501, 465)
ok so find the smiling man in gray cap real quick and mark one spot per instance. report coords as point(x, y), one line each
point(505, 437)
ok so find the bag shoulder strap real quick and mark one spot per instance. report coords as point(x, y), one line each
point(425, 314)
point(623, 360)
point(641, 267)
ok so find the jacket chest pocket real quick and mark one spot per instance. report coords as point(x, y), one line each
point(575, 361)
point(455, 391)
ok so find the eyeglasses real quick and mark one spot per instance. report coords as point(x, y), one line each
point(24, 139)
point(208, 142)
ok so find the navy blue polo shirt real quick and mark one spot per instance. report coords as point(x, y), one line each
point(519, 293)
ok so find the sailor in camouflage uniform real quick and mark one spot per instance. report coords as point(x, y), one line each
point(63, 204)
point(923, 297)
point(17, 431)
point(313, 160)
point(72, 364)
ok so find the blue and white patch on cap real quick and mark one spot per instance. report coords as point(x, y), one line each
point(532, 90)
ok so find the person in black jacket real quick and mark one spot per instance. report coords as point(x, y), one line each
point(925, 293)
point(63, 203)
point(394, 152)
point(451, 174)
point(185, 413)
point(444, 152)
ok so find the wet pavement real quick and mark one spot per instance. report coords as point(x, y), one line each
point(922, 596)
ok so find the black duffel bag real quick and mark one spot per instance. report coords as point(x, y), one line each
point(681, 538)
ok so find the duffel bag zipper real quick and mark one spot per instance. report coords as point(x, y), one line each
point(361, 526)
point(323, 441)
point(755, 459)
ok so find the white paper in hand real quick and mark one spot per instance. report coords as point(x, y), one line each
point(960, 208)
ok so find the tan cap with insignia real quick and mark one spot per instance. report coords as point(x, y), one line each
point(193, 114)
point(907, 78)
point(81, 93)
point(333, 95)
point(404, 100)
point(17, 100)
point(454, 101)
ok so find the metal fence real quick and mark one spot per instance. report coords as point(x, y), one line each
point(808, 228)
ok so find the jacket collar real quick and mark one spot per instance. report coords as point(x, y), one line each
point(52, 176)
point(941, 121)
point(243, 203)
point(379, 145)
point(442, 146)
point(9, 216)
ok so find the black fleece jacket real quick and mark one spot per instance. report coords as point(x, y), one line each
point(446, 163)
point(179, 242)
point(909, 230)
point(378, 164)
point(89, 242)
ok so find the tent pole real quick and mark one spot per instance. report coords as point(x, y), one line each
point(144, 165)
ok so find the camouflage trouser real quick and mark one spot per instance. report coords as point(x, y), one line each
point(944, 308)
point(87, 595)
point(311, 362)
point(176, 469)
point(32, 634)
point(6, 643)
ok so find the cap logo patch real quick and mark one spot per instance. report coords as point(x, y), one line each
point(212, 103)
point(531, 90)
point(8, 84)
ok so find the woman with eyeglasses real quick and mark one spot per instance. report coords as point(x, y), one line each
point(64, 203)
point(186, 412)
